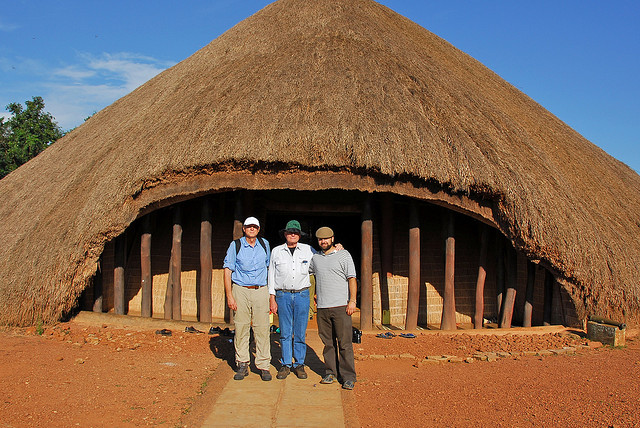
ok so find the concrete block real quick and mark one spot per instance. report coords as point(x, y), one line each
point(606, 334)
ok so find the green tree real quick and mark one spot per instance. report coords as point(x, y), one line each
point(25, 134)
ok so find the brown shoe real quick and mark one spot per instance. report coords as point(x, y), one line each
point(241, 371)
point(283, 372)
point(265, 375)
point(299, 371)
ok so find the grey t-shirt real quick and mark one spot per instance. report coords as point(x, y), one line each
point(332, 273)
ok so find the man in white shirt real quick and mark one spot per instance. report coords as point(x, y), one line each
point(288, 281)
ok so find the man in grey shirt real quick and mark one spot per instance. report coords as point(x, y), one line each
point(336, 288)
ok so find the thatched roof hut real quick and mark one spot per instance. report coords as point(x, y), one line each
point(328, 94)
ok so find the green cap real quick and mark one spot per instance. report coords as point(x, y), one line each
point(293, 226)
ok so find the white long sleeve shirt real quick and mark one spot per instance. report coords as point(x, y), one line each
point(289, 271)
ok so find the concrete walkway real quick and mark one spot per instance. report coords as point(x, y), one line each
point(280, 403)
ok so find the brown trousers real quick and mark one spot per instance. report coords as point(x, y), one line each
point(335, 331)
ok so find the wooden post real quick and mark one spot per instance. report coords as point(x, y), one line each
point(237, 234)
point(386, 251)
point(176, 263)
point(500, 281)
point(238, 217)
point(478, 316)
point(510, 294)
point(97, 288)
point(206, 262)
point(528, 301)
point(146, 306)
point(118, 275)
point(366, 269)
point(548, 297)
point(413, 295)
point(448, 321)
point(168, 297)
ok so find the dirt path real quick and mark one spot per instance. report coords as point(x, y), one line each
point(115, 375)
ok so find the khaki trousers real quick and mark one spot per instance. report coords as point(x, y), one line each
point(253, 310)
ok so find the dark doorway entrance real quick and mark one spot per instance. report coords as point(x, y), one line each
point(346, 227)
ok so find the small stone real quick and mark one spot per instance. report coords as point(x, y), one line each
point(436, 358)
point(491, 356)
point(407, 356)
point(79, 361)
point(544, 353)
point(503, 354)
point(429, 361)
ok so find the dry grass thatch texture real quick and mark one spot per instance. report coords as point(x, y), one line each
point(328, 85)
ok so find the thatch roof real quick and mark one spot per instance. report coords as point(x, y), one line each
point(302, 88)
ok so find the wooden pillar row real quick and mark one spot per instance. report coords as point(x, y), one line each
point(118, 275)
point(206, 262)
point(448, 321)
point(478, 316)
point(413, 296)
point(146, 305)
point(366, 269)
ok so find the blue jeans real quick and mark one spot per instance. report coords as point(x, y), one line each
point(293, 314)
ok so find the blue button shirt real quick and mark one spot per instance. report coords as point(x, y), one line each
point(249, 267)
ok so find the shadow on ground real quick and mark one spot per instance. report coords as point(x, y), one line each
point(222, 347)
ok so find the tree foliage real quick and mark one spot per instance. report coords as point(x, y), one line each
point(25, 134)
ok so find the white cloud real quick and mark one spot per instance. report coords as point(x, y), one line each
point(8, 27)
point(79, 90)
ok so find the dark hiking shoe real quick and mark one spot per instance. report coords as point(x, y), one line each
point(299, 371)
point(348, 384)
point(265, 375)
point(283, 372)
point(328, 379)
point(242, 371)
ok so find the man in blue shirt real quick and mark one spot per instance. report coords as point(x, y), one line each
point(245, 283)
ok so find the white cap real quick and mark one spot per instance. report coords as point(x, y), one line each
point(251, 220)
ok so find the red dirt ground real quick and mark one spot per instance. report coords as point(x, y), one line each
point(79, 375)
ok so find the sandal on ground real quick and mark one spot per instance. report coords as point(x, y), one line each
point(383, 336)
point(408, 335)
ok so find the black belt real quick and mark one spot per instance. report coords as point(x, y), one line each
point(293, 291)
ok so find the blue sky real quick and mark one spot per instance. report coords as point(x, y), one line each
point(580, 59)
